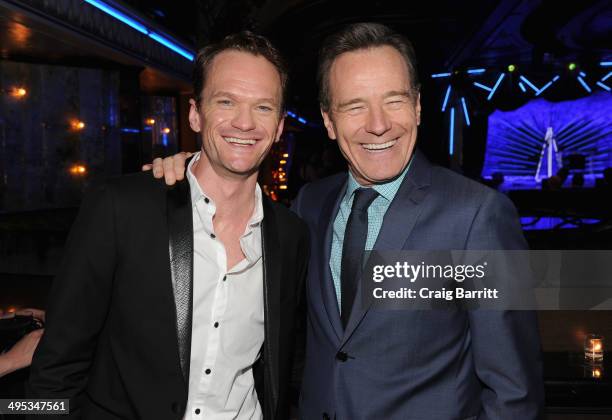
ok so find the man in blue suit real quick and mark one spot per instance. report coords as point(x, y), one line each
point(368, 363)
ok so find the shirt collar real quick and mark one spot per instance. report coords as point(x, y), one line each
point(198, 194)
point(386, 190)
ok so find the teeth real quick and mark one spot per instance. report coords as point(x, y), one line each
point(373, 146)
point(239, 141)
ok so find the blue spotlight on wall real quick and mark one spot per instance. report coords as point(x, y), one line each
point(465, 111)
point(446, 96)
point(584, 84)
point(451, 134)
point(499, 80)
point(438, 75)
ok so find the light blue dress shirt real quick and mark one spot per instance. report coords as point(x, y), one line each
point(376, 214)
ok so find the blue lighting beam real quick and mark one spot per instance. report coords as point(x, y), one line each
point(584, 84)
point(499, 80)
point(481, 86)
point(465, 111)
point(547, 85)
point(451, 134)
point(133, 23)
point(446, 96)
point(522, 86)
point(606, 64)
point(476, 71)
point(604, 87)
point(528, 83)
point(438, 75)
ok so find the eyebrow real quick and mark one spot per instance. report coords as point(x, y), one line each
point(389, 94)
point(233, 96)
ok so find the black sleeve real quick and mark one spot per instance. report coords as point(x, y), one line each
point(78, 304)
point(300, 317)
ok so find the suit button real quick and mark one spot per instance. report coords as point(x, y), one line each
point(342, 356)
point(176, 407)
point(326, 416)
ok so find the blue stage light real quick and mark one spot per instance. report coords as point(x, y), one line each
point(499, 80)
point(528, 83)
point(451, 140)
point(606, 77)
point(302, 120)
point(522, 86)
point(476, 71)
point(605, 87)
point(583, 74)
point(446, 96)
point(130, 130)
point(547, 85)
point(117, 14)
point(465, 111)
point(584, 84)
point(437, 75)
point(481, 86)
point(606, 64)
point(171, 45)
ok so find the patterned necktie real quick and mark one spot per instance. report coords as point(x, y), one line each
point(353, 247)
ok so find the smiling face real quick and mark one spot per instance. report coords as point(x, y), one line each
point(373, 113)
point(239, 117)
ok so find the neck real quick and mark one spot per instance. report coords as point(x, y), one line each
point(233, 194)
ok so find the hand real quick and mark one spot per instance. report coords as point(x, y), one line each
point(171, 168)
point(36, 313)
point(20, 355)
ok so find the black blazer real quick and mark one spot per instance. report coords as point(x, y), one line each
point(118, 334)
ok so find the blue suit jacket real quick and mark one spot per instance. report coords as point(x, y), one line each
point(403, 364)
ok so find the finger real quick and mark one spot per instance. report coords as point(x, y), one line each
point(169, 170)
point(179, 166)
point(147, 167)
point(158, 169)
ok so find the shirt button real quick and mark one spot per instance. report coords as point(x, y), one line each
point(224, 278)
point(206, 200)
point(197, 411)
point(212, 235)
point(207, 371)
point(216, 324)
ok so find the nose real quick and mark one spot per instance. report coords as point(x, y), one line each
point(378, 122)
point(243, 119)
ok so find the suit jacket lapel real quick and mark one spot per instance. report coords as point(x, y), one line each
point(400, 219)
point(180, 244)
point(331, 205)
point(271, 261)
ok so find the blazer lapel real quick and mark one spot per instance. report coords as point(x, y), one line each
point(331, 205)
point(271, 262)
point(180, 244)
point(399, 220)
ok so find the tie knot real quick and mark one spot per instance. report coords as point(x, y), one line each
point(363, 198)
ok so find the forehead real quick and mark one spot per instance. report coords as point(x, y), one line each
point(374, 70)
point(242, 73)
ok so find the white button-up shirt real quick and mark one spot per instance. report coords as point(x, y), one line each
point(228, 316)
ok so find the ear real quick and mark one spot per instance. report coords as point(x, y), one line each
point(329, 125)
point(279, 129)
point(194, 116)
point(417, 108)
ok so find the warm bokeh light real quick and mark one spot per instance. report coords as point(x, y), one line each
point(283, 161)
point(18, 92)
point(166, 130)
point(150, 121)
point(285, 155)
point(78, 170)
point(283, 187)
point(77, 125)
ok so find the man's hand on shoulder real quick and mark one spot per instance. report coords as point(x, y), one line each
point(172, 168)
